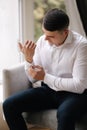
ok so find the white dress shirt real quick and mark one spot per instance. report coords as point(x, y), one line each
point(65, 65)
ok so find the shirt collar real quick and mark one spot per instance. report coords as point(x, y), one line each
point(69, 38)
point(67, 41)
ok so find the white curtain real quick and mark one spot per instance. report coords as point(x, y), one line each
point(9, 34)
point(75, 21)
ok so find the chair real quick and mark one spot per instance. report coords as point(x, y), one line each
point(15, 79)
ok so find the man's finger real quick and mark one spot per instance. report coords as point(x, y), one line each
point(20, 46)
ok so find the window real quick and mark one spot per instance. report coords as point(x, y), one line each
point(9, 34)
point(16, 23)
point(40, 8)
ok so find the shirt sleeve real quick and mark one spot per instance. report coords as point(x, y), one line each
point(36, 61)
point(27, 65)
point(78, 82)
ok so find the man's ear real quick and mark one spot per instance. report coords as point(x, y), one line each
point(66, 31)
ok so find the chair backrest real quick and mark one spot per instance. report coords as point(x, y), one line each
point(14, 79)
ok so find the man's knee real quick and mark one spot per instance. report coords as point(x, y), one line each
point(7, 105)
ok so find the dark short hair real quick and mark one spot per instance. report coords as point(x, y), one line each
point(55, 19)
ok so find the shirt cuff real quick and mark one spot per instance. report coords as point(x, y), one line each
point(27, 65)
point(50, 80)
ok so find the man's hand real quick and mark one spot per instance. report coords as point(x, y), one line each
point(28, 50)
point(36, 72)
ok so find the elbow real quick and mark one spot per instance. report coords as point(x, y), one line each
point(81, 85)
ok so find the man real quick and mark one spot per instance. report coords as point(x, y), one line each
point(59, 61)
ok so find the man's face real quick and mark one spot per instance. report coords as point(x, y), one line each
point(55, 37)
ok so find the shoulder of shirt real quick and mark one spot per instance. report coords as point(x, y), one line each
point(41, 40)
point(42, 37)
point(79, 38)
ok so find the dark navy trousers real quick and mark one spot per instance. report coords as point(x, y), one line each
point(70, 106)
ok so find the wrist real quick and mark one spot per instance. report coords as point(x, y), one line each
point(29, 60)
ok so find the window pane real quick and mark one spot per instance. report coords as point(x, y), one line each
point(9, 30)
point(40, 8)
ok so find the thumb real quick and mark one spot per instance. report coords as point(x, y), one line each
point(20, 47)
point(38, 67)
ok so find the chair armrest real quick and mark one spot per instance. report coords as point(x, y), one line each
point(14, 79)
